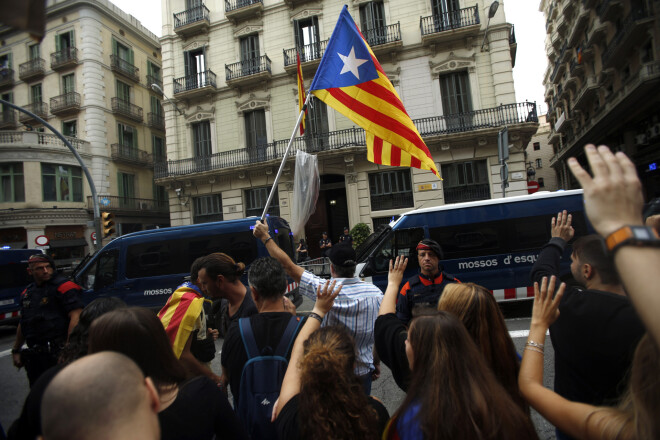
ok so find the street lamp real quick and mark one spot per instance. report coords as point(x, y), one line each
point(156, 88)
point(491, 13)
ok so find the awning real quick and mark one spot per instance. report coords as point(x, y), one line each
point(68, 243)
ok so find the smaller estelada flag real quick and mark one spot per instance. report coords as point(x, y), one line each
point(301, 95)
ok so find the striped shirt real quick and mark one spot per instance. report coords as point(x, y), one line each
point(356, 308)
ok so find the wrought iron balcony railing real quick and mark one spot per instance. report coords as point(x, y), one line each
point(33, 68)
point(353, 137)
point(6, 77)
point(196, 81)
point(120, 203)
point(156, 120)
point(231, 5)
point(449, 20)
point(308, 52)
point(8, 119)
point(63, 58)
point(392, 201)
point(66, 102)
point(192, 15)
point(130, 154)
point(151, 79)
point(383, 35)
point(125, 108)
point(125, 68)
point(248, 67)
point(622, 34)
point(466, 193)
point(38, 108)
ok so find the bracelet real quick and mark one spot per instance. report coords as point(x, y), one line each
point(269, 238)
point(535, 349)
point(316, 316)
point(535, 344)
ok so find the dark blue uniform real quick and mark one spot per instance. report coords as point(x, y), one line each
point(422, 290)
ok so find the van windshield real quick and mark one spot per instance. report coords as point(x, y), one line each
point(363, 250)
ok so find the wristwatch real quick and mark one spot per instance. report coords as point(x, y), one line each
point(632, 235)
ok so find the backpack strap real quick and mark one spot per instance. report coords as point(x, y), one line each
point(288, 337)
point(247, 336)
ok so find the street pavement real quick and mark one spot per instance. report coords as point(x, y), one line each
point(14, 384)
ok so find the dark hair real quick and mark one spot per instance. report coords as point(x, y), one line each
point(138, 333)
point(194, 269)
point(477, 309)
point(590, 249)
point(267, 277)
point(222, 264)
point(456, 392)
point(332, 400)
point(344, 271)
point(77, 345)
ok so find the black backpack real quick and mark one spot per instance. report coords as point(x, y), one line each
point(261, 379)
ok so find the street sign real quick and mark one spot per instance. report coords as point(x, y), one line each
point(93, 236)
point(41, 240)
point(532, 186)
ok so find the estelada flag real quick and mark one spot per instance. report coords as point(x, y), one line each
point(179, 314)
point(301, 94)
point(350, 80)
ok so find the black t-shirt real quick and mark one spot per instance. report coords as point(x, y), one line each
point(246, 309)
point(201, 411)
point(390, 336)
point(288, 426)
point(268, 328)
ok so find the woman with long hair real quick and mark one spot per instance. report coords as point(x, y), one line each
point(321, 397)
point(477, 309)
point(636, 417)
point(190, 409)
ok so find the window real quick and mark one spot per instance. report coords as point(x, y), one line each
point(456, 101)
point(70, 128)
point(539, 163)
point(391, 190)
point(255, 128)
point(34, 52)
point(64, 41)
point(126, 190)
point(446, 14)
point(317, 125)
point(102, 272)
point(202, 138)
point(61, 183)
point(35, 94)
point(372, 22)
point(255, 201)
point(207, 208)
point(306, 34)
point(160, 195)
point(541, 182)
point(156, 106)
point(5, 61)
point(153, 70)
point(7, 112)
point(194, 63)
point(537, 146)
point(127, 136)
point(401, 242)
point(158, 149)
point(124, 93)
point(12, 186)
point(465, 181)
point(122, 52)
point(250, 54)
point(68, 83)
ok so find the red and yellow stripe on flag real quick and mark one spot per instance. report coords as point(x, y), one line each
point(301, 94)
point(179, 315)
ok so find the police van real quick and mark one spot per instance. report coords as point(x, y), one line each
point(493, 243)
point(144, 268)
point(14, 276)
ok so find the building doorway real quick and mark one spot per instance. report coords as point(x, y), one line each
point(331, 213)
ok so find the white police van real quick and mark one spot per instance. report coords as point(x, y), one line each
point(493, 243)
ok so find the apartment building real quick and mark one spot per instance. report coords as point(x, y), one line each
point(602, 82)
point(90, 78)
point(538, 155)
point(230, 69)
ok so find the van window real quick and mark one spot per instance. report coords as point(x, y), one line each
point(241, 246)
point(401, 242)
point(101, 273)
point(15, 275)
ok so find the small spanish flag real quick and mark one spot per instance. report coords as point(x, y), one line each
point(179, 315)
point(301, 95)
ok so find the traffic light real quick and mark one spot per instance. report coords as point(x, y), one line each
point(108, 222)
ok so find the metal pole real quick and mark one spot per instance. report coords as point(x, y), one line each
point(286, 153)
point(92, 187)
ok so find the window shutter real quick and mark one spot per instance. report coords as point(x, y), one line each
point(115, 49)
point(120, 184)
point(57, 43)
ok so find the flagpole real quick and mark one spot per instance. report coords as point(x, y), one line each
point(286, 153)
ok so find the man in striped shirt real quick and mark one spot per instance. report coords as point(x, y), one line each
point(356, 307)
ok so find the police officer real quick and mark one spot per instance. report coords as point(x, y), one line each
point(50, 308)
point(425, 288)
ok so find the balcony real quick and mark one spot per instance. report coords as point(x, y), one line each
point(64, 59)
point(119, 203)
point(568, 8)
point(385, 38)
point(577, 30)
point(586, 93)
point(575, 68)
point(310, 55)
point(6, 78)
point(124, 68)
point(561, 24)
point(466, 193)
point(248, 71)
point(632, 32)
point(126, 109)
point(598, 35)
point(67, 103)
point(130, 155)
point(392, 201)
point(156, 121)
point(236, 10)
point(610, 10)
point(198, 84)
point(450, 25)
point(192, 21)
point(31, 70)
point(151, 79)
point(38, 108)
point(8, 119)
point(34, 139)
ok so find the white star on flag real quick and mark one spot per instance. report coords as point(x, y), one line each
point(351, 63)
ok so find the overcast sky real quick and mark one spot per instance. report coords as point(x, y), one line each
point(529, 25)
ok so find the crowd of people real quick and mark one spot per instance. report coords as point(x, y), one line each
point(126, 372)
